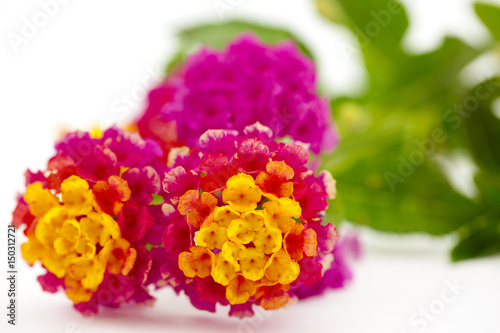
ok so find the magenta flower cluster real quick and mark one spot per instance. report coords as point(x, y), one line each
point(246, 83)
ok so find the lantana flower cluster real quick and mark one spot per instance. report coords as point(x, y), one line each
point(207, 197)
point(247, 221)
point(247, 82)
point(88, 218)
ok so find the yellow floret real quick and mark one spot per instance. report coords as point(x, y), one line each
point(211, 236)
point(252, 264)
point(40, 200)
point(241, 193)
point(76, 196)
point(268, 240)
point(239, 290)
point(99, 228)
point(224, 215)
point(279, 213)
point(223, 270)
point(239, 233)
point(281, 268)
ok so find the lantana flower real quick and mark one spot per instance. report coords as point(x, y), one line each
point(247, 222)
point(89, 221)
point(247, 82)
point(239, 221)
point(239, 216)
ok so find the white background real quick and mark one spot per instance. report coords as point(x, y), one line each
point(91, 56)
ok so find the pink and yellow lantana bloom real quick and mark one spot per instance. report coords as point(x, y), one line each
point(88, 218)
point(247, 221)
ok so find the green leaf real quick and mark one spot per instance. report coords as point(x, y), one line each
point(400, 82)
point(420, 80)
point(377, 22)
point(481, 237)
point(150, 246)
point(379, 185)
point(410, 97)
point(335, 213)
point(490, 15)
point(379, 26)
point(157, 199)
point(218, 35)
point(489, 187)
point(175, 61)
point(479, 242)
point(483, 127)
point(332, 10)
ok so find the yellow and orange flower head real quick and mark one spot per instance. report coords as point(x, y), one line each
point(68, 234)
point(249, 251)
point(88, 218)
point(253, 238)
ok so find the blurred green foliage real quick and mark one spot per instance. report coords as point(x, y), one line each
point(414, 109)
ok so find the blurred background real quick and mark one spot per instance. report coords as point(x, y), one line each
point(415, 98)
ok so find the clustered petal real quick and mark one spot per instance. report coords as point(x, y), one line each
point(248, 82)
point(88, 217)
point(248, 234)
